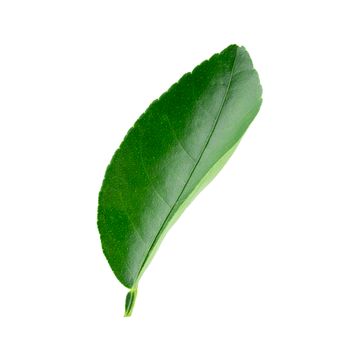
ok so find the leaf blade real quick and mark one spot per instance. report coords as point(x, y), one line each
point(167, 153)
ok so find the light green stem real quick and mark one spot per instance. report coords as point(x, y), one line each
point(130, 301)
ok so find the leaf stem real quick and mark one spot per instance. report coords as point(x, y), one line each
point(130, 301)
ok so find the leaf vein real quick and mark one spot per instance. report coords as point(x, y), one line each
point(177, 139)
point(130, 218)
point(155, 190)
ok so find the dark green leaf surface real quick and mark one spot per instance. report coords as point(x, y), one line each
point(174, 149)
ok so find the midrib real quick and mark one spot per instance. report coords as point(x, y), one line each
point(171, 211)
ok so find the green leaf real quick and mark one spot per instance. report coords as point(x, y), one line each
point(171, 153)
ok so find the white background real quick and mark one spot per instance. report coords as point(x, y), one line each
point(260, 260)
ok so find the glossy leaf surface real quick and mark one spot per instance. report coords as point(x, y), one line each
point(174, 149)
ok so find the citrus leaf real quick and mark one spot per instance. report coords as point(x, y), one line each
point(171, 153)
